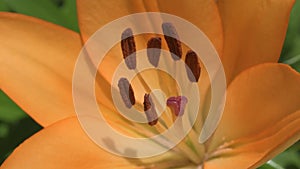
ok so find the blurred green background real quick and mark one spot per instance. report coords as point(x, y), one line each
point(16, 126)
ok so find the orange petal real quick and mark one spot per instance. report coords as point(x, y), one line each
point(62, 145)
point(92, 15)
point(37, 61)
point(257, 99)
point(65, 145)
point(254, 32)
point(203, 13)
point(251, 152)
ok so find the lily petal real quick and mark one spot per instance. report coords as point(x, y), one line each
point(37, 61)
point(254, 32)
point(65, 145)
point(257, 100)
point(62, 145)
point(253, 151)
point(92, 15)
point(203, 13)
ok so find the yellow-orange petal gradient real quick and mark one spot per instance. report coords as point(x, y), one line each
point(259, 98)
point(92, 15)
point(253, 151)
point(202, 13)
point(254, 32)
point(64, 145)
point(37, 61)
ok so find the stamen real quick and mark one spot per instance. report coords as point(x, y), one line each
point(192, 63)
point(126, 92)
point(128, 48)
point(153, 50)
point(177, 104)
point(150, 111)
point(171, 37)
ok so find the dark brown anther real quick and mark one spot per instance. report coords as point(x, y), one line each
point(150, 111)
point(192, 66)
point(126, 92)
point(153, 50)
point(172, 39)
point(128, 48)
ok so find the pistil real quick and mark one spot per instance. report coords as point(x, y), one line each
point(177, 104)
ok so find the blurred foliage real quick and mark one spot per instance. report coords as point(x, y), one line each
point(61, 12)
point(289, 159)
point(291, 49)
point(16, 126)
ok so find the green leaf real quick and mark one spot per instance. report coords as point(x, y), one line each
point(294, 62)
point(43, 9)
point(266, 166)
point(15, 126)
point(4, 6)
point(290, 157)
point(9, 111)
point(4, 130)
point(271, 165)
point(296, 66)
point(17, 132)
point(64, 15)
point(70, 13)
point(292, 40)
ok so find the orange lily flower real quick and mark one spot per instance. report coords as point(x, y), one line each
point(262, 110)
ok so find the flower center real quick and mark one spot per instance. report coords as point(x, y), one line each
point(189, 147)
